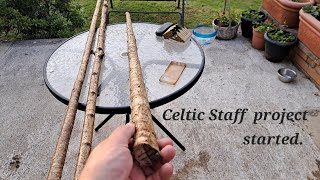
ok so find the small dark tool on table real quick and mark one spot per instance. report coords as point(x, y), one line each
point(164, 28)
point(173, 31)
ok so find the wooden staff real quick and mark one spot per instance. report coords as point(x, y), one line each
point(88, 124)
point(145, 147)
point(59, 156)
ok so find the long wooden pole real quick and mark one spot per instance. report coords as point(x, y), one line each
point(59, 156)
point(88, 124)
point(145, 147)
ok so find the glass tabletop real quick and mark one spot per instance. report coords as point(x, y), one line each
point(155, 54)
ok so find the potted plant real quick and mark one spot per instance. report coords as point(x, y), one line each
point(309, 28)
point(258, 32)
point(247, 17)
point(226, 26)
point(278, 43)
point(285, 12)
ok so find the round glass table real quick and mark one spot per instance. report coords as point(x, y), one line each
point(155, 54)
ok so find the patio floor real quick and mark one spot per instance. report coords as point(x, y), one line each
point(235, 76)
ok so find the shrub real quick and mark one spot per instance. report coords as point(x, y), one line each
point(39, 18)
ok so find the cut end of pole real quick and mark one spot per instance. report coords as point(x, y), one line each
point(148, 158)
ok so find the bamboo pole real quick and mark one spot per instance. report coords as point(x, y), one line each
point(145, 147)
point(88, 124)
point(59, 155)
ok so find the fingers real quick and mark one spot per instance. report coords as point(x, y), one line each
point(167, 153)
point(162, 170)
point(122, 134)
point(164, 141)
point(136, 172)
point(166, 171)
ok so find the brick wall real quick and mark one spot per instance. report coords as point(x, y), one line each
point(301, 56)
point(307, 62)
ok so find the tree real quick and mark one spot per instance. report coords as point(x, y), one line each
point(39, 18)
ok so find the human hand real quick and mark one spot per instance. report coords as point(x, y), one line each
point(112, 159)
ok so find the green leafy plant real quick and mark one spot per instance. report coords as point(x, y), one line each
point(228, 18)
point(281, 36)
point(252, 14)
point(263, 27)
point(225, 20)
point(28, 19)
point(313, 10)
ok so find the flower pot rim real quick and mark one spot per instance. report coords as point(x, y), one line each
point(311, 19)
point(254, 30)
point(203, 35)
point(278, 42)
point(265, 16)
point(237, 23)
point(296, 5)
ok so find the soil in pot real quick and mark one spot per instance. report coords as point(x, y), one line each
point(247, 18)
point(225, 31)
point(257, 40)
point(278, 44)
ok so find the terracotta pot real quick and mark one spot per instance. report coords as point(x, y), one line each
point(309, 32)
point(257, 40)
point(285, 12)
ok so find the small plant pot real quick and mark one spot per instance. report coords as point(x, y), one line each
point(225, 33)
point(276, 51)
point(246, 25)
point(257, 40)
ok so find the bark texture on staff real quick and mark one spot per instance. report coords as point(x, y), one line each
point(145, 147)
point(59, 156)
point(88, 124)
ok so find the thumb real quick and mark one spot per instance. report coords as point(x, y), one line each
point(122, 135)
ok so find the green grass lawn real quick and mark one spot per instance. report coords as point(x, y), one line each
point(197, 11)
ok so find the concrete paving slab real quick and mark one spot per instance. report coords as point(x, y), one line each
point(235, 76)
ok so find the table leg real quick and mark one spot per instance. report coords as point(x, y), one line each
point(103, 122)
point(127, 118)
point(168, 133)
